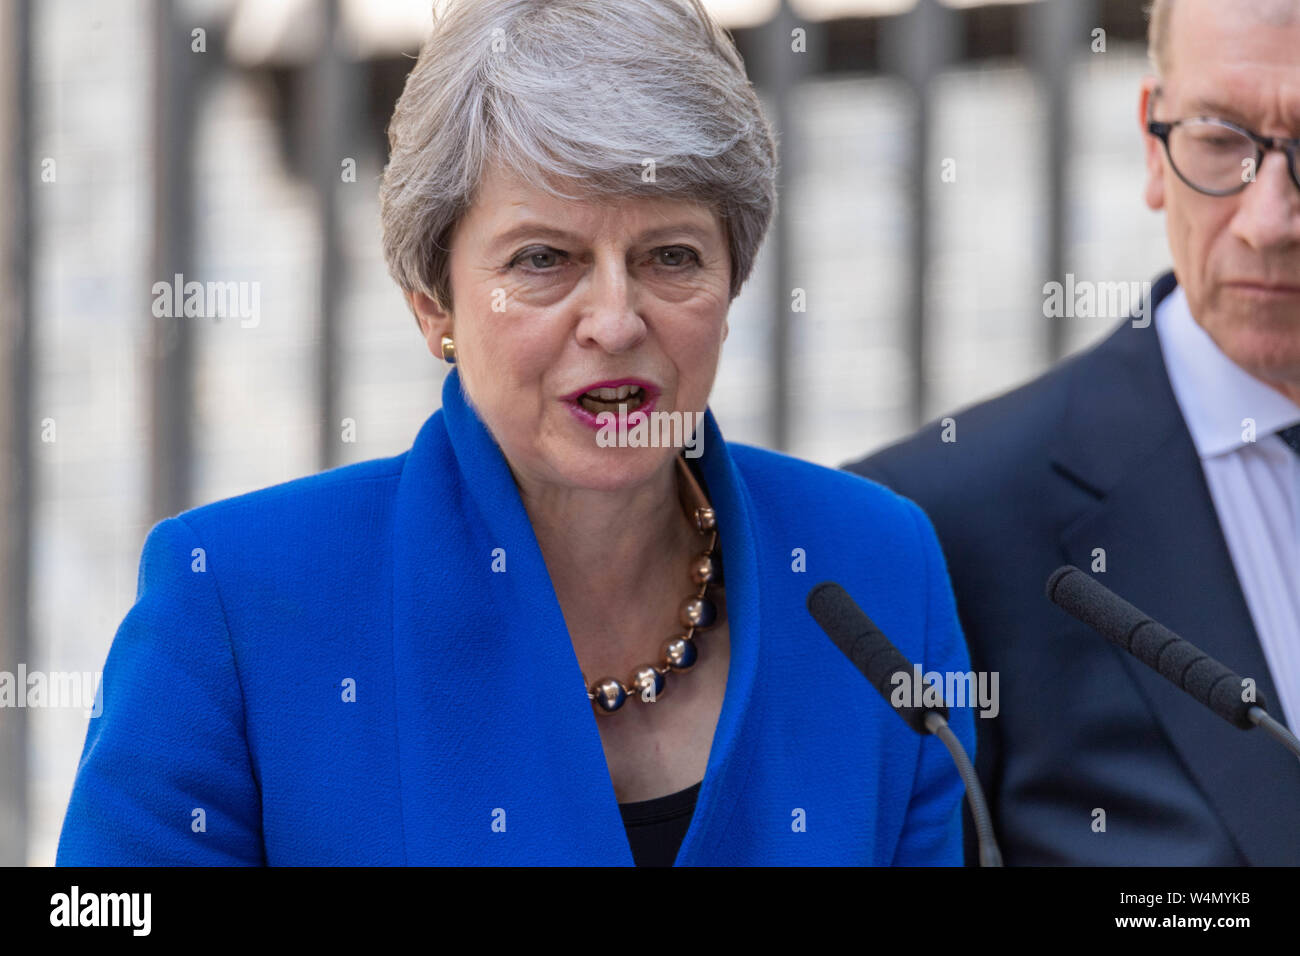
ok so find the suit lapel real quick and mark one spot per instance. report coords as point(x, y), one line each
point(1124, 440)
point(500, 759)
point(735, 741)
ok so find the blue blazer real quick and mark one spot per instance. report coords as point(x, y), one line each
point(1095, 454)
point(328, 671)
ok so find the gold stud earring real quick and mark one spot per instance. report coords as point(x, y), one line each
point(448, 350)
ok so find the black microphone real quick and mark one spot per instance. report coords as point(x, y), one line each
point(873, 654)
point(878, 660)
point(1176, 659)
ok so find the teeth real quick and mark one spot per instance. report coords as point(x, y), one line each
point(600, 399)
point(614, 394)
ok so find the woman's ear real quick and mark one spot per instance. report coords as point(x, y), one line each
point(435, 322)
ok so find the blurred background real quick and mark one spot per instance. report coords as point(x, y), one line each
point(942, 162)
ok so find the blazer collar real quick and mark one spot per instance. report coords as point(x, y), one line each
point(490, 704)
point(1124, 440)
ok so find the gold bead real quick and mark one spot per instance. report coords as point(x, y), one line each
point(680, 653)
point(705, 519)
point(698, 612)
point(702, 570)
point(649, 683)
point(609, 695)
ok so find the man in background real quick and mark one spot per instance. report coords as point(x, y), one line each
point(1166, 462)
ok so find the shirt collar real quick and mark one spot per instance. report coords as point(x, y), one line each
point(1214, 393)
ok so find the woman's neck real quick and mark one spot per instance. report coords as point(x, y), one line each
point(614, 555)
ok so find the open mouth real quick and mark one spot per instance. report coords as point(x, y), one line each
point(610, 399)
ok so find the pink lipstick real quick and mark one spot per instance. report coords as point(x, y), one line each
point(635, 397)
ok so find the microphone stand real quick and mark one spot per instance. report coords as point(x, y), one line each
point(1260, 718)
point(989, 853)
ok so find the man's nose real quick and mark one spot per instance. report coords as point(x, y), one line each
point(1269, 214)
point(610, 318)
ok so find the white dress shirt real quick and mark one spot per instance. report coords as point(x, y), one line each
point(1255, 484)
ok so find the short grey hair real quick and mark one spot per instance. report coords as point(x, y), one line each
point(583, 91)
point(1277, 13)
point(1158, 33)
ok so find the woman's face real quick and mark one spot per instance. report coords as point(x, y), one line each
point(552, 299)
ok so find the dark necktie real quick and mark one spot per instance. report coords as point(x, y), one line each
point(1292, 437)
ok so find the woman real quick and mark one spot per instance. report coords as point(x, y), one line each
point(542, 635)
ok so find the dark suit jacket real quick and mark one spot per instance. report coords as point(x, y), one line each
point(1095, 454)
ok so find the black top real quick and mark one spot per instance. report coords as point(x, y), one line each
point(656, 828)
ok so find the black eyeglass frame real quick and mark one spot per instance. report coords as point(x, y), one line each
point(1263, 145)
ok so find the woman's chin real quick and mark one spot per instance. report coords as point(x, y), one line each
point(615, 469)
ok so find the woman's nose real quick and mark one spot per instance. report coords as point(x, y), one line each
point(610, 318)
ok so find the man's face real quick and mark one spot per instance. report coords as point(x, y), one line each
point(1237, 257)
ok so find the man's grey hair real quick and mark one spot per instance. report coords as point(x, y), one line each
point(1158, 33)
point(576, 92)
point(1276, 13)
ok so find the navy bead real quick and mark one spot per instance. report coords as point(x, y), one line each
point(681, 653)
point(649, 684)
point(609, 695)
point(699, 612)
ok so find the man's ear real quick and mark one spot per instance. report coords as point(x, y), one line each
point(435, 322)
point(1154, 189)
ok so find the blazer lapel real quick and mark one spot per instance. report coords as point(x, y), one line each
point(499, 755)
point(500, 758)
point(735, 740)
point(1124, 440)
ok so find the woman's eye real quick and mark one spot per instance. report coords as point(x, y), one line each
point(539, 259)
point(544, 260)
point(678, 256)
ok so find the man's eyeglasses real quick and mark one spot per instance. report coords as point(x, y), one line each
point(1216, 157)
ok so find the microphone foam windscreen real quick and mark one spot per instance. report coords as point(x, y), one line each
point(1176, 659)
point(870, 651)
